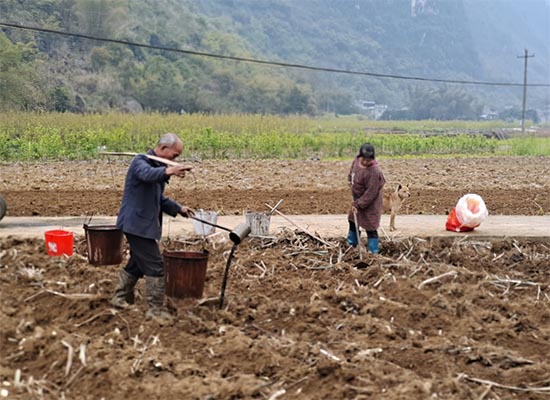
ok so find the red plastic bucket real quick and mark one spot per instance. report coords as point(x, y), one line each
point(59, 242)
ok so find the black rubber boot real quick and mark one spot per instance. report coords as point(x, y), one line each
point(154, 292)
point(124, 293)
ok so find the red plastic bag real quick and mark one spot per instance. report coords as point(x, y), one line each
point(454, 225)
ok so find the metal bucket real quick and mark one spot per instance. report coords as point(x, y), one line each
point(208, 216)
point(184, 273)
point(104, 244)
point(258, 222)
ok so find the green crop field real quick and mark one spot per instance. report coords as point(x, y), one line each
point(55, 136)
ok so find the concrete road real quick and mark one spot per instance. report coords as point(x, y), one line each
point(325, 226)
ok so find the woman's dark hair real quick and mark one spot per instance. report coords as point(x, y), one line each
point(367, 151)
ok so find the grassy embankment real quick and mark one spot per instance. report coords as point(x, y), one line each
point(52, 136)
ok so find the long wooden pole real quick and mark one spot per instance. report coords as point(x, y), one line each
point(187, 167)
point(357, 233)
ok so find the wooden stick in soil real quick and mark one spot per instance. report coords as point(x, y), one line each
point(299, 227)
point(357, 233)
point(275, 207)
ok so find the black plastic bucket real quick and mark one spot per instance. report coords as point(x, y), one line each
point(104, 244)
point(185, 273)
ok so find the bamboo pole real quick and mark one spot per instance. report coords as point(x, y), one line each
point(187, 167)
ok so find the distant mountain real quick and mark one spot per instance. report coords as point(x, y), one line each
point(458, 39)
point(466, 40)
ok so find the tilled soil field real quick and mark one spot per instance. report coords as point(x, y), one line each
point(439, 318)
point(519, 186)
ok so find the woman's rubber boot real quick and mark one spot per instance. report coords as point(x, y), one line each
point(124, 293)
point(154, 292)
point(352, 238)
point(373, 245)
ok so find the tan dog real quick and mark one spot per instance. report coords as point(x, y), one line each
point(393, 201)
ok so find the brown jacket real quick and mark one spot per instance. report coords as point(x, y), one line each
point(366, 188)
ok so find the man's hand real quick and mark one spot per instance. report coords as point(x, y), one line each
point(186, 212)
point(176, 170)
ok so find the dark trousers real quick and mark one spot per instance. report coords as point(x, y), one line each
point(370, 234)
point(145, 257)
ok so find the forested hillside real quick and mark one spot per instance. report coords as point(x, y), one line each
point(451, 40)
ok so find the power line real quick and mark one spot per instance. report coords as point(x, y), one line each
point(264, 62)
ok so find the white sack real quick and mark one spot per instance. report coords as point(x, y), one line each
point(471, 210)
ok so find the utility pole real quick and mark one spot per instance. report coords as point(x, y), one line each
point(526, 56)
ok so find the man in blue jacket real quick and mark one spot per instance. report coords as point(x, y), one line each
point(140, 218)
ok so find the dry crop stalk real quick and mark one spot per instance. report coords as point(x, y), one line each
point(545, 389)
point(436, 278)
point(69, 357)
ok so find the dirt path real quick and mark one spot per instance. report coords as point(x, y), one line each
point(323, 226)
